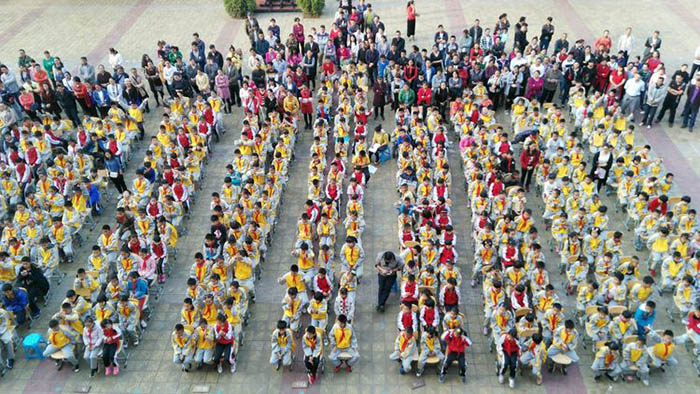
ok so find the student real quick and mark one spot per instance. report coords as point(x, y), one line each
point(93, 339)
point(343, 339)
point(182, 349)
point(635, 360)
point(534, 355)
point(313, 345)
point(564, 341)
point(282, 343)
point(112, 338)
point(223, 350)
point(509, 353)
point(202, 340)
point(61, 339)
point(405, 350)
point(457, 344)
point(607, 362)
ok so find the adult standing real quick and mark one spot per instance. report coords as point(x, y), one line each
point(602, 163)
point(690, 111)
point(633, 92)
point(673, 97)
point(114, 167)
point(67, 102)
point(387, 264)
point(251, 28)
point(696, 62)
point(625, 43)
point(86, 71)
point(411, 20)
point(551, 81)
point(546, 34)
point(529, 158)
point(655, 96)
point(379, 99)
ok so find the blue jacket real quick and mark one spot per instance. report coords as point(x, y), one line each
point(141, 288)
point(101, 102)
point(643, 319)
point(114, 164)
point(18, 303)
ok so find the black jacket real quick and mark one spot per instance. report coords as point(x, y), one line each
point(34, 281)
point(66, 99)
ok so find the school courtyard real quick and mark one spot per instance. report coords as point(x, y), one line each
point(74, 28)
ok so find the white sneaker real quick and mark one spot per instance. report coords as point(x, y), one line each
point(219, 368)
point(501, 378)
point(511, 383)
point(233, 367)
point(649, 126)
point(143, 324)
point(646, 382)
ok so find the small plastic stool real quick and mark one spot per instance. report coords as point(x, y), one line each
point(33, 346)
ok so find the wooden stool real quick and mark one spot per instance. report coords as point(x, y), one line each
point(562, 361)
point(344, 356)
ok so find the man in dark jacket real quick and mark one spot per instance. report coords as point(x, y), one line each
point(520, 40)
point(31, 278)
point(690, 111)
point(17, 301)
point(66, 100)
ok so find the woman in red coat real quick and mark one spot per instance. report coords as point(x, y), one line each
point(529, 159)
point(617, 80)
point(307, 107)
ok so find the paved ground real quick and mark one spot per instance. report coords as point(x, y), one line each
point(71, 29)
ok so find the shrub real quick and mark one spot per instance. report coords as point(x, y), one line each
point(317, 7)
point(311, 7)
point(239, 8)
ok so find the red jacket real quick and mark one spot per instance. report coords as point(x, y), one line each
point(456, 344)
point(529, 159)
point(425, 95)
point(658, 204)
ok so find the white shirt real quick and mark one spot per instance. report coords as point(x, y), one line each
point(115, 60)
point(696, 61)
point(625, 43)
point(633, 88)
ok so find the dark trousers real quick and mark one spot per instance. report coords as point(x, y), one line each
point(379, 111)
point(90, 110)
point(72, 114)
point(671, 107)
point(119, 183)
point(649, 113)
point(460, 361)
point(527, 176)
point(386, 282)
point(109, 350)
point(509, 362)
point(235, 94)
point(696, 67)
point(548, 95)
point(102, 112)
point(311, 364)
point(222, 352)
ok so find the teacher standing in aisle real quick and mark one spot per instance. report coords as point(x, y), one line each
point(387, 264)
